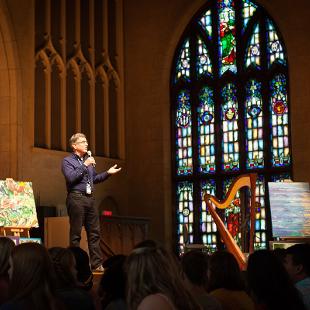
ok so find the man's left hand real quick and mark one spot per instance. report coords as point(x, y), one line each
point(114, 170)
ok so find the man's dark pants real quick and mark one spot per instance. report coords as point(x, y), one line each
point(82, 211)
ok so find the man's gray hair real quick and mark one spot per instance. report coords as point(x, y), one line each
point(75, 137)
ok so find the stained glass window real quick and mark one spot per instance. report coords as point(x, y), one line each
point(230, 114)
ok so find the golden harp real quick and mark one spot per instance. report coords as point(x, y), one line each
point(248, 180)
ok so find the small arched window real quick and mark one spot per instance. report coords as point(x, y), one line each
point(230, 114)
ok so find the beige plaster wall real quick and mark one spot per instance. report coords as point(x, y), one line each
point(40, 166)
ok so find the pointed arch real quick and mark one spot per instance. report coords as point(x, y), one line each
point(230, 116)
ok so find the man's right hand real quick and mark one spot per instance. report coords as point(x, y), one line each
point(90, 161)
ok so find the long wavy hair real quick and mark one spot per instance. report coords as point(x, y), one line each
point(64, 263)
point(152, 270)
point(31, 283)
point(6, 247)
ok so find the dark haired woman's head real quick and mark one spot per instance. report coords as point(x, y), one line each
point(269, 282)
point(30, 272)
point(195, 267)
point(113, 282)
point(6, 247)
point(148, 243)
point(64, 267)
point(84, 274)
point(224, 272)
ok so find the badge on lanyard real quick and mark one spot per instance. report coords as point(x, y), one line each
point(88, 189)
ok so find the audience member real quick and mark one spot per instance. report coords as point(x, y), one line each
point(280, 253)
point(84, 274)
point(195, 269)
point(154, 281)
point(31, 285)
point(269, 284)
point(226, 283)
point(297, 264)
point(112, 287)
point(66, 280)
point(6, 246)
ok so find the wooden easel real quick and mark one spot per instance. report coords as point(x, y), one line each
point(15, 231)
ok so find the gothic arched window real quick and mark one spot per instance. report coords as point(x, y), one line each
point(230, 115)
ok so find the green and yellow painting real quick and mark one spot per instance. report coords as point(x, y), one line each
point(17, 205)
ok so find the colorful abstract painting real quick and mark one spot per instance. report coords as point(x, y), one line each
point(17, 205)
point(290, 209)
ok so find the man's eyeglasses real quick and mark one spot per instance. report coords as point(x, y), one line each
point(81, 142)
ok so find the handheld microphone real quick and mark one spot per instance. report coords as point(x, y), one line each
point(89, 154)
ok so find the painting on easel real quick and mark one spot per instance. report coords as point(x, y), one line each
point(17, 204)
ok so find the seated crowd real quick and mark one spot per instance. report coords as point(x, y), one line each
point(150, 277)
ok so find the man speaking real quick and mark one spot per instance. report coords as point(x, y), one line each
point(80, 174)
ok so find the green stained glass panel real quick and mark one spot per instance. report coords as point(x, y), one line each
point(227, 36)
point(206, 131)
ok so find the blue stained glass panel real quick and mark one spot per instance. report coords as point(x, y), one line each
point(260, 238)
point(183, 63)
point(185, 213)
point(229, 117)
point(206, 23)
point(206, 131)
point(279, 122)
point(253, 50)
point(207, 225)
point(275, 49)
point(254, 125)
point(184, 150)
point(248, 10)
point(204, 66)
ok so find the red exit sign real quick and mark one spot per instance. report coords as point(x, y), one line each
point(107, 213)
